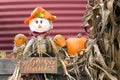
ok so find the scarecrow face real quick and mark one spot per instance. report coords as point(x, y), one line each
point(40, 25)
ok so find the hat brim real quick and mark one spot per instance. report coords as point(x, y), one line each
point(28, 20)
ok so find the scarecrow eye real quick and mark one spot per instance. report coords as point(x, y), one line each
point(36, 22)
point(41, 21)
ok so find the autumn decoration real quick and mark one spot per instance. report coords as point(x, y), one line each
point(20, 39)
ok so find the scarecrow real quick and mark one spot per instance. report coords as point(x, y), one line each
point(40, 45)
point(40, 23)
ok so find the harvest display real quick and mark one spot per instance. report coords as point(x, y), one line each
point(94, 58)
point(41, 56)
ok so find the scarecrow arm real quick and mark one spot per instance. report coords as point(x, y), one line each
point(28, 46)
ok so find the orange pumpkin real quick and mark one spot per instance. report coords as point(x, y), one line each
point(20, 39)
point(59, 40)
point(74, 45)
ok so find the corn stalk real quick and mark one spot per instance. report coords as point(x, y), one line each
point(103, 50)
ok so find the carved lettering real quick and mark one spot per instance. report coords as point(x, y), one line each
point(39, 65)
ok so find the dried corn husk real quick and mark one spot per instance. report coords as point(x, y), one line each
point(40, 44)
point(103, 45)
point(18, 51)
point(16, 75)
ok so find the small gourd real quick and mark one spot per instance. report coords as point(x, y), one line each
point(20, 39)
point(59, 40)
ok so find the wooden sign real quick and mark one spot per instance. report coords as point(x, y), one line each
point(39, 65)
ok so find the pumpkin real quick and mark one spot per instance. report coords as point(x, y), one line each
point(20, 39)
point(74, 45)
point(59, 40)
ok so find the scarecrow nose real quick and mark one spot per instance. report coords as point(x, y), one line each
point(39, 26)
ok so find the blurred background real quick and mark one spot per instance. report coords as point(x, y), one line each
point(13, 13)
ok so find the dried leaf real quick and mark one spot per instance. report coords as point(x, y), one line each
point(88, 72)
point(110, 5)
point(118, 39)
point(108, 74)
point(101, 76)
point(87, 18)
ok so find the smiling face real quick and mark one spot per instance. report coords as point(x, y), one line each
point(40, 25)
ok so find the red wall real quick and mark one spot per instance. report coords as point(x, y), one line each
point(14, 12)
